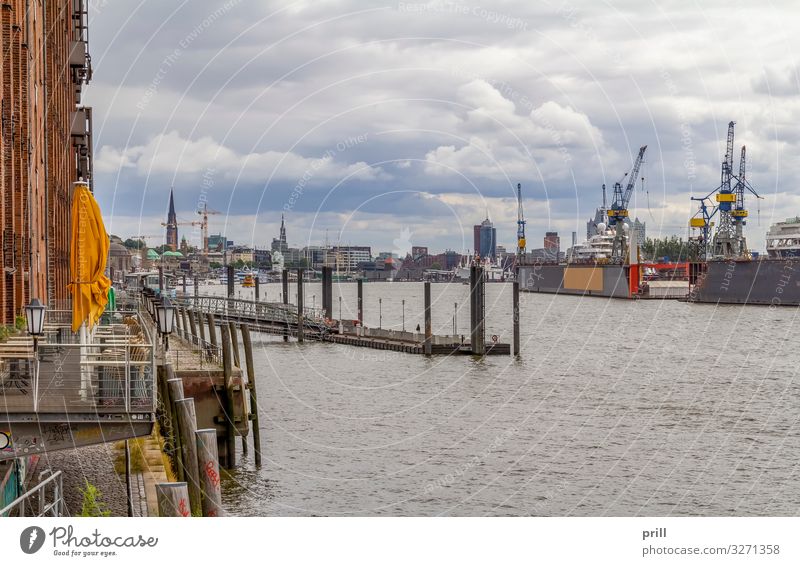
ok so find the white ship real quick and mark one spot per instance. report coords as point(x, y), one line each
point(598, 247)
point(783, 239)
point(493, 269)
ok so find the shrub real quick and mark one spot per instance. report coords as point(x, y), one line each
point(92, 506)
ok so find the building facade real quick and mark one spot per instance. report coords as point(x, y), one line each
point(45, 144)
point(487, 239)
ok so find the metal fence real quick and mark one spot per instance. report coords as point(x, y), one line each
point(108, 370)
point(46, 499)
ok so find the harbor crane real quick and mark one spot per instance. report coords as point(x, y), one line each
point(520, 226)
point(204, 225)
point(728, 241)
point(618, 212)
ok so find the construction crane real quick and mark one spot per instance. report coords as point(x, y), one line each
point(729, 241)
point(204, 225)
point(618, 212)
point(520, 226)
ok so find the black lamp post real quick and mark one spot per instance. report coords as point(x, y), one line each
point(34, 317)
point(165, 318)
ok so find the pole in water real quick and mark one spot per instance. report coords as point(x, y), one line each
point(187, 421)
point(285, 296)
point(360, 303)
point(258, 288)
point(208, 465)
point(251, 385)
point(227, 370)
point(428, 329)
point(231, 281)
point(173, 499)
point(196, 286)
point(327, 292)
point(515, 313)
point(300, 306)
point(160, 278)
point(184, 284)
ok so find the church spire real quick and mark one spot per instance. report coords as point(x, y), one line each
point(172, 224)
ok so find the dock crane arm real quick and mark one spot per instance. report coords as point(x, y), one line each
point(619, 208)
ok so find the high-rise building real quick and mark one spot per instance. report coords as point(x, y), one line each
point(172, 225)
point(552, 243)
point(45, 146)
point(485, 239)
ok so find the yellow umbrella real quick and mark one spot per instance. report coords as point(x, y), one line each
point(88, 256)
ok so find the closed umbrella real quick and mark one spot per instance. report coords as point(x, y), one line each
point(89, 287)
point(88, 256)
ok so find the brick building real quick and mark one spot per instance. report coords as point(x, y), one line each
point(45, 145)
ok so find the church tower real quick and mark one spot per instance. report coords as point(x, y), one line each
point(172, 225)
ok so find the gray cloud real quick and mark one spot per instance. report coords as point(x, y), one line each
point(456, 102)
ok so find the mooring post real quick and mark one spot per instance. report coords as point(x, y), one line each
point(208, 464)
point(173, 499)
point(258, 288)
point(515, 312)
point(201, 327)
point(175, 393)
point(231, 281)
point(212, 330)
point(196, 286)
point(193, 327)
point(478, 329)
point(285, 296)
point(360, 303)
point(187, 422)
point(184, 284)
point(227, 371)
point(185, 323)
point(428, 329)
point(300, 307)
point(251, 385)
point(234, 344)
point(327, 292)
point(160, 278)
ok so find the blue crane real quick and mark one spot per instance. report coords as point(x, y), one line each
point(618, 211)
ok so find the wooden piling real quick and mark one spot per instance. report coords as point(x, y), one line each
point(234, 344)
point(173, 499)
point(227, 370)
point(515, 314)
point(160, 278)
point(185, 323)
point(208, 465)
point(201, 326)
point(258, 288)
point(300, 306)
point(477, 314)
point(212, 330)
point(428, 346)
point(251, 384)
point(184, 284)
point(196, 286)
point(193, 327)
point(175, 393)
point(285, 296)
point(187, 422)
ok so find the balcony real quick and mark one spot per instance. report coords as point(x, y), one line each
point(72, 394)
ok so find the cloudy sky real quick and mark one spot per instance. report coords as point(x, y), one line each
point(368, 121)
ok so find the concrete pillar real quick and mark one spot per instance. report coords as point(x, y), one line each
point(187, 423)
point(208, 465)
point(173, 499)
point(428, 345)
point(300, 306)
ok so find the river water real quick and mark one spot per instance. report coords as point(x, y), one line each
point(615, 408)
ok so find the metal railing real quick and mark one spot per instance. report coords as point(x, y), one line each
point(109, 370)
point(47, 497)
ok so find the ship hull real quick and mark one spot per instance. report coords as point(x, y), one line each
point(773, 282)
point(585, 280)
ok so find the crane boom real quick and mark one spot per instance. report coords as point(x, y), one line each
point(619, 206)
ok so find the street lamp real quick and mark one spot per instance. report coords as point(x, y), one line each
point(34, 317)
point(165, 319)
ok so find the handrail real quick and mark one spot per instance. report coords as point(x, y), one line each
point(54, 508)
